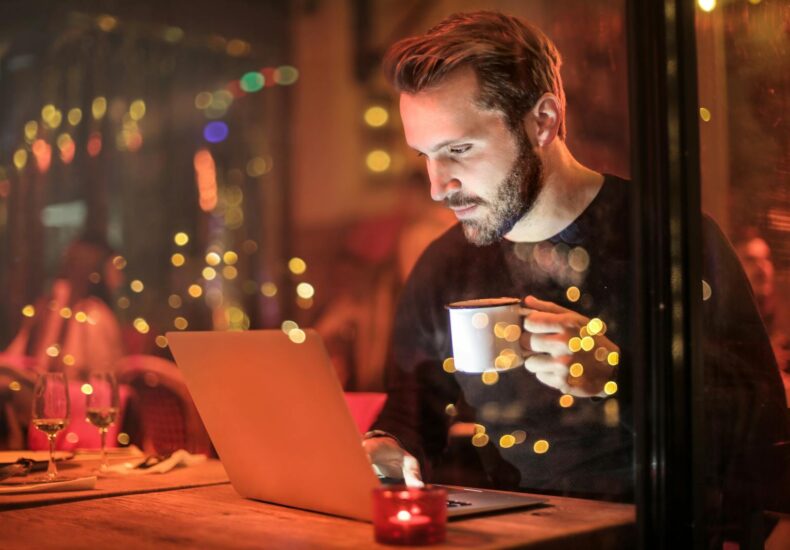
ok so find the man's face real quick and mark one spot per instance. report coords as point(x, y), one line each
point(487, 174)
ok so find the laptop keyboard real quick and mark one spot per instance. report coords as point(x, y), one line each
point(457, 503)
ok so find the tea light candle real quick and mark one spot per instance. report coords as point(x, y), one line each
point(409, 516)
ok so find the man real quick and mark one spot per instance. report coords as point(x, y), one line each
point(481, 100)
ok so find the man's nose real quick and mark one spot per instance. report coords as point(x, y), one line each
point(443, 182)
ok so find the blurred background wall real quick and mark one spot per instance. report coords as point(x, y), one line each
point(245, 158)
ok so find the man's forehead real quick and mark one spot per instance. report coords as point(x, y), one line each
point(444, 112)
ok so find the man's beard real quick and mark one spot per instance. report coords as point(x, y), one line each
point(515, 197)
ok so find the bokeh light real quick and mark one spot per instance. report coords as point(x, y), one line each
point(213, 259)
point(203, 100)
point(237, 47)
point(297, 336)
point(449, 365)
point(251, 82)
point(215, 132)
point(257, 166)
point(230, 257)
point(94, 144)
point(573, 294)
point(181, 238)
point(566, 401)
point(195, 290)
point(173, 34)
point(141, 325)
point(376, 116)
point(286, 75)
point(177, 259)
point(137, 109)
point(269, 289)
point(378, 161)
point(480, 320)
point(305, 290)
point(707, 291)
point(74, 116)
point(541, 446)
point(490, 377)
point(31, 130)
point(99, 107)
point(297, 266)
point(137, 285)
point(106, 22)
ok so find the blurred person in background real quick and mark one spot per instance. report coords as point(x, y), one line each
point(73, 326)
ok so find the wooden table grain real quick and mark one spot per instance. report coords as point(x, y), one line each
point(209, 473)
point(215, 516)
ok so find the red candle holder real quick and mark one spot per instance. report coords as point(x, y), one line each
point(409, 516)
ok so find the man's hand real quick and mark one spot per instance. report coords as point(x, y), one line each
point(565, 350)
point(391, 460)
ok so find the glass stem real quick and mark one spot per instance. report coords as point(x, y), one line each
point(52, 470)
point(104, 464)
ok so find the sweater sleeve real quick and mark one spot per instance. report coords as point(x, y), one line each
point(418, 389)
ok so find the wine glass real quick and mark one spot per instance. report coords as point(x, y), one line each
point(51, 412)
point(102, 408)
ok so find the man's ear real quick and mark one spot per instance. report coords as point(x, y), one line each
point(542, 122)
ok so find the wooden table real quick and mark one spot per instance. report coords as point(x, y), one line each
point(212, 515)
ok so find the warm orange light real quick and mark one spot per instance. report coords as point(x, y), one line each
point(206, 178)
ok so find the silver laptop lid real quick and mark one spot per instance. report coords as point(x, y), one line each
point(276, 414)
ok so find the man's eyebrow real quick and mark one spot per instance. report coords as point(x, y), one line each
point(441, 145)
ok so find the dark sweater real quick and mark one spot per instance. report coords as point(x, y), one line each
point(591, 442)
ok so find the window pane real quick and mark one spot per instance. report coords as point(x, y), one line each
point(743, 68)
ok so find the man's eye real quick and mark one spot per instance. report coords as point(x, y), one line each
point(459, 149)
point(420, 155)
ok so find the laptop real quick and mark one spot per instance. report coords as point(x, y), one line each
point(278, 419)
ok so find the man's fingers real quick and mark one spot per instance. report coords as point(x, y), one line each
point(543, 305)
point(411, 472)
point(553, 380)
point(541, 362)
point(555, 345)
point(539, 322)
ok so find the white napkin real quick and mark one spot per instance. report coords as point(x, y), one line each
point(178, 458)
point(76, 484)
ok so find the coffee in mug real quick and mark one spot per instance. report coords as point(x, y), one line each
point(485, 334)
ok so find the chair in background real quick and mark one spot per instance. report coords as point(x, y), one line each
point(16, 399)
point(365, 407)
point(165, 418)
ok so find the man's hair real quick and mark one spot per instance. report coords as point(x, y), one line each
point(515, 63)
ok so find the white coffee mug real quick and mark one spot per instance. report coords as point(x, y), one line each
point(485, 334)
